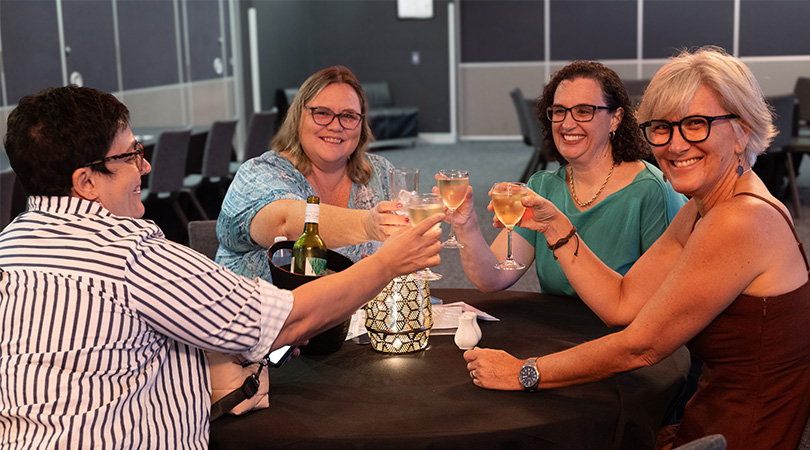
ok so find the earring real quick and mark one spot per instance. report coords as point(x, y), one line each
point(740, 170)
point(611, 135)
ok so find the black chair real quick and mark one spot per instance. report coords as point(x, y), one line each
point(530, 129)
point(165, 183)
point(261, 130)
point(635, 89)
point(202, 236)
point(771, 166)
point(711, 442)
point(802, 92)
point(804, 443)
point(7, 182)
point(215, 167)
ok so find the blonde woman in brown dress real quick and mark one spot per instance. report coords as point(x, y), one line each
point(728, 278)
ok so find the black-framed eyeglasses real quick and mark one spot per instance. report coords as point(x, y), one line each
point(324, 116)
point(134, 157)
point(580, 113)
point(693, 129)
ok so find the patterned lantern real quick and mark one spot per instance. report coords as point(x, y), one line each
point(399, 319)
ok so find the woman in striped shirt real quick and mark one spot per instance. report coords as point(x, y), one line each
point(103, 321)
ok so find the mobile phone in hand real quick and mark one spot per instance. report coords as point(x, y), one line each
point(278, 357)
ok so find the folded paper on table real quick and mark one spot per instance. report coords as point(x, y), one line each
point(445, 319)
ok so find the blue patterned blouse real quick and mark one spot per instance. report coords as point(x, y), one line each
point(272, 177)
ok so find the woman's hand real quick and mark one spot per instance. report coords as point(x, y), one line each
point(494, 369)
point(540, 214)
point(465, 211)
point(381, 221)
point(413, 249)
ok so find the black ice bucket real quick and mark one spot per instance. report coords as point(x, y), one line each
point(330, 340)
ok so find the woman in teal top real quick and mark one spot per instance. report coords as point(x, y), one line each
point(619, 203)
point(621, 227)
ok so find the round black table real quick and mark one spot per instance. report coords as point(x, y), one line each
point(358, 398)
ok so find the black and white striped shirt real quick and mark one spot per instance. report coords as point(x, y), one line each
point(102, 322)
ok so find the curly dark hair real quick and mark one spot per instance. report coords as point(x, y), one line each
point(58, 130)
point(628, 143)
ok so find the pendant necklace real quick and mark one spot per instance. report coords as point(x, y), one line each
point(574, 194)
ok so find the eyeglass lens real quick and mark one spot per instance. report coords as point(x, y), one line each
point(580, 113)
point(324, 117)
point(692, 129)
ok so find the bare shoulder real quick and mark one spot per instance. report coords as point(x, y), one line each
point(756, 236)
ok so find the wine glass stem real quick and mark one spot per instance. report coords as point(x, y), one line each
point(452, 225)
point(508, 244)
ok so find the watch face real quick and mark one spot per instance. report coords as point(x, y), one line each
point(528, 377)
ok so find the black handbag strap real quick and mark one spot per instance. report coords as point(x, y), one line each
point(237, 396)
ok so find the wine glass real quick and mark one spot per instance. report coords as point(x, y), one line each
point(453, 188)
point(420, 207)
point(506, 203)
point(403, 182)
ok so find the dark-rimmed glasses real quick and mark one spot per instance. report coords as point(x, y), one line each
point(580, 113)
point(134, 157)
point(324, 116)
point(693, 129)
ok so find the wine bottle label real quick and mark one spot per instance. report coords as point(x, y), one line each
point(311, 213)
point(315, 266)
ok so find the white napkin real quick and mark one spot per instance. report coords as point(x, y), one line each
point(445, 319)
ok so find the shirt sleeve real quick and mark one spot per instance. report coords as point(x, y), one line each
point(183, 294)
point(259, 182)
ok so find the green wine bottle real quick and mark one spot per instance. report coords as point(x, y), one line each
point(309, 251)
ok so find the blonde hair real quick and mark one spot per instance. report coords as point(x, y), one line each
point(674, 85)
point(288, 139)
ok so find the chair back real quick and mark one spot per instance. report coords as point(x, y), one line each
point(784, 107)
point(202, 236)
point(518, 101)
point(218, 147)
point(635, 89)
point(804, 443)
point(261, 131)
point(802, 92)
point(169, 162)
point(7, 179)
point(711, 442)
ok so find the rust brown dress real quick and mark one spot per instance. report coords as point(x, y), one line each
point(755, 384)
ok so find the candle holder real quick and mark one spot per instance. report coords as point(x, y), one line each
point(399, 318)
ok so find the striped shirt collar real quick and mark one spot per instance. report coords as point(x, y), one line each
point(66, 205)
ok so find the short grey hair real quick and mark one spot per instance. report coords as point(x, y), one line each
point(674, 85)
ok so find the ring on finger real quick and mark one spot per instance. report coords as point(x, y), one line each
point(472, 374)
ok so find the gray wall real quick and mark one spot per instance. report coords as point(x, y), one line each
point(157, 55)
point(299, 38)
point(520, 43)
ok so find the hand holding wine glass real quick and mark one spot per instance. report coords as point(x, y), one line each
point(506, 202)
point(453, 189)
point(420, 207)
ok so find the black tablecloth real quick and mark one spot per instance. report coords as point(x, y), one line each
point(358, 398)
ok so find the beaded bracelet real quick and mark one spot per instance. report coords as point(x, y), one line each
point(564, 241)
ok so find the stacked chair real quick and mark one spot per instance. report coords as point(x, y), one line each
point(532, 134)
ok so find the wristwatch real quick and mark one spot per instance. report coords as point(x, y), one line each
point(528, 376)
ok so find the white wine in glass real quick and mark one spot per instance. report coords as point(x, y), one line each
point(420, 207)
point(453, 188)
point(506, 203)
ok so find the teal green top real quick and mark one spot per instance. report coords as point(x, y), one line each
point(618, 229)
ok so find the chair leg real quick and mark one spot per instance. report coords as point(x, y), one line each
point(180, 214)
point(794, 190)
point(530, 167)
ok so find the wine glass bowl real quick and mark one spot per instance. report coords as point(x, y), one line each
point(420, 207)
point(403, 182)
point(508, 209)
point(453, 189)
